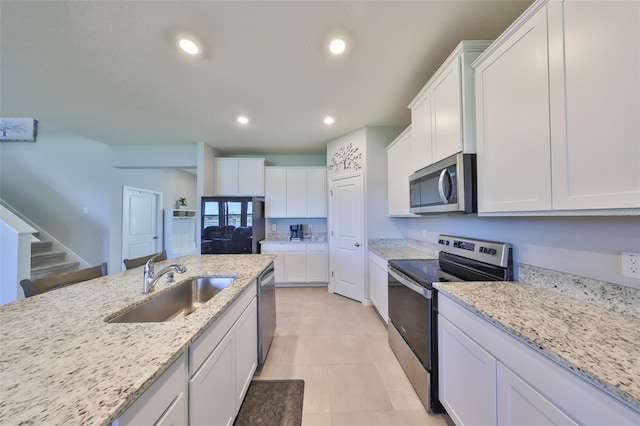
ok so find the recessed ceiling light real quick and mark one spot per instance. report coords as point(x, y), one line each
point(337, 46)
point(328, 120)
point(243, 120)
point(189, 46)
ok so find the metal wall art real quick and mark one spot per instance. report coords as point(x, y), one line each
point(18, 129)
point(346, 158)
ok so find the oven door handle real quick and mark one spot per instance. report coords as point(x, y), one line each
point(412, 286)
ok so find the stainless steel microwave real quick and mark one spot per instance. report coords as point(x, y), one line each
point(448, 186)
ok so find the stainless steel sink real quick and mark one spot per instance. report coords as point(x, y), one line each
point(178, 302)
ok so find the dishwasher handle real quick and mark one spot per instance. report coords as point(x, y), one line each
point(267, 277)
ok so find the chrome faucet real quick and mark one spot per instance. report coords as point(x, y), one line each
point(151, 278)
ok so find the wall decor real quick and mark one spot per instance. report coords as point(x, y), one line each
point(346, 158)
point(18, 129)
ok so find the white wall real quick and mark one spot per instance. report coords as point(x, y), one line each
point(585, 246)
point(173, 183)
point(376, 199)
point(52, 180)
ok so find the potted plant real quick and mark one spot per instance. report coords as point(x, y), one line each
point(181, 203)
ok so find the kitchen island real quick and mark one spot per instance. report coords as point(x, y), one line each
point(61, 363)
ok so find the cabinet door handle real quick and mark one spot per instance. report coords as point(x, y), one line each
point(357, 244)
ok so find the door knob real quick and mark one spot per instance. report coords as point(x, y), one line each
point(357, 244)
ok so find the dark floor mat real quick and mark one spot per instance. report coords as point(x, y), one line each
point(272, 403)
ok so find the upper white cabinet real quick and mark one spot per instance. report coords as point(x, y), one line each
point(239, 176)
point(295, 192)
point(442, 113)
point(512, 89)
point(557, 123)
point(399, 167)
point(595, 104)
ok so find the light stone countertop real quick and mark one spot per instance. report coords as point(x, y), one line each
point(396, 248)
point(61, 363)
point(288, 241)
point(601, 345)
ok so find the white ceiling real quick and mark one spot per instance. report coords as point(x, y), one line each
point(109, 70)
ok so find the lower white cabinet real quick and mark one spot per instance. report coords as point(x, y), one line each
point(212, 389)
point(466, 377)
point(317, 263)
point(378, 286)
point(299, 262)
point(520, 404)
point(229, 348)
point(164, 403)
point(246, 338)
point(489, 377)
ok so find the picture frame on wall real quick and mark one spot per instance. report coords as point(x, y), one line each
point(18, 129)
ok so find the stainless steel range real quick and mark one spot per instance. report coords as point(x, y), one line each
point(413, 309)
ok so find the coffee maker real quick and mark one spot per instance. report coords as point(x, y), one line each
point(295, 233)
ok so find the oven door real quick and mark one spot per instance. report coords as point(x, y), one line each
point(411, 313)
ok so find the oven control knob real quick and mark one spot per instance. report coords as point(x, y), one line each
point(492, 251)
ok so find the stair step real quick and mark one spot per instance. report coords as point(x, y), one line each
point(53, 269)
point(38, 247)
point(47, 258)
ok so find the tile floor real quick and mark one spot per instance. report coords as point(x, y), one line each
point(339, 348)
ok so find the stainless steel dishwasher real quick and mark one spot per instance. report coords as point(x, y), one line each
point(266, 312)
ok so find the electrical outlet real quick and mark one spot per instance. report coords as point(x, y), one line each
point(630, 264)
point(274, 227)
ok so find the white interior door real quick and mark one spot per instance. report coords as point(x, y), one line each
point(141, 230)
point(347, 259)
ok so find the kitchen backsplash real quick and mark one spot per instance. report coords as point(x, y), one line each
point(315, 236)
point(614, 297)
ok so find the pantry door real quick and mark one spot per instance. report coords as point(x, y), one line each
point(141, 222)
point(345, 238)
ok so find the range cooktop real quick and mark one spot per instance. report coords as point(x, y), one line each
point(422, 271)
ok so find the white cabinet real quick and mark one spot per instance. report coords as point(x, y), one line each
point(378, 286)
point(295, 265)
point(512, 88)
point(488, 376)
point(557, 123)
point(520, 404)
point(317, 192)
point(442, 113)
point(212, 388)
point(422, 124)
point(275, 192)
point(246, 336)
point(595, 104)
point(466, 377)
point(317, 263)
point(299, 262)
point(239, 176)
point(222, 362)
point(399, 167)
point(295, 192)
point(165, 402)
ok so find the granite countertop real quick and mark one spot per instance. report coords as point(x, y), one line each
point(61, 363)
point(288, 241)
point(395, 248)
point(601, 345)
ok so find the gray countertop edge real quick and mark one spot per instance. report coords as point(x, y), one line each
point(632, 399)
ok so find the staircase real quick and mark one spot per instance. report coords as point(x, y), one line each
point(46, 262)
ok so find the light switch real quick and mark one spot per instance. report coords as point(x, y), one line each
point(85, 210)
